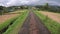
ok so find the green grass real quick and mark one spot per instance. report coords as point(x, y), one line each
point(15, 27)
point(7, 22)
point(52, 25)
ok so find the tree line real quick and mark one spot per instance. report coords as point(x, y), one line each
point(11, 9)
point(48, 7)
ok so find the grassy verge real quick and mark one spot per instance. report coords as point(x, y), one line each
point(15, 27)
point(52, 25)
point(7, 22)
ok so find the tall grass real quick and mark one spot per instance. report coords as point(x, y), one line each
point(52, 25)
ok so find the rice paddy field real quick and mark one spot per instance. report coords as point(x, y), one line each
point(24, 21)
point(10, 20)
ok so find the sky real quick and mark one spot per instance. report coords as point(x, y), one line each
point(28, 2)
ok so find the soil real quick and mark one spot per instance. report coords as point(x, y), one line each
point(7, 16)
point(33, 25)
point(54, 16)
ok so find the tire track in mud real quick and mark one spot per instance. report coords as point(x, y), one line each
point(33, 25)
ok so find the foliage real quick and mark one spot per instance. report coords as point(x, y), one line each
point(6, 23)
point(48, 7)
point(52, 25)
point(15, 27)
point(1, 9)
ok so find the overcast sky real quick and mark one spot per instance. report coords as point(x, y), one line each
point(28, 2)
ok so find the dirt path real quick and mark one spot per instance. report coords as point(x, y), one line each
point(33, 25)
point(54, 16)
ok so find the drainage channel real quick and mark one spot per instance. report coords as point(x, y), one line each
point(5, 29)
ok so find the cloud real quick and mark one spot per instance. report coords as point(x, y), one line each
point(28, 2)
point(53, 3)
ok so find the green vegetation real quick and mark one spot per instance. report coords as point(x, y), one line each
point(1, 8)
point(6, 23)
point(53, 26)
point(48, 7)
point(15, 27)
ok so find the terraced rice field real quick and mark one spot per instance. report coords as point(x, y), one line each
point(29, 22)
point(15, 24)
point(8, 16)
point(52, 25)
point(7, 19)
point(54, 16)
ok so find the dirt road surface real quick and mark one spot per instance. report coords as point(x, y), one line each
point(33, 25)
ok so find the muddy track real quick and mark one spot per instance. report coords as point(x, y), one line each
point(33, 25)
